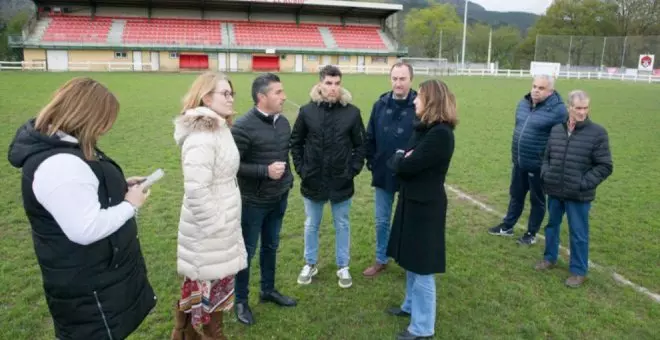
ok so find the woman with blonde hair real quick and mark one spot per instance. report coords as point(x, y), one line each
point(82, 213)
point(417, 242)
point(210, 248)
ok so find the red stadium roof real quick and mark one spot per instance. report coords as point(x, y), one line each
point(326, 7)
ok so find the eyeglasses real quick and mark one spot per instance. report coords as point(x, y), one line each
point(227, 94)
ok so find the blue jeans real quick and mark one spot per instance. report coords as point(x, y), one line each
point(420, 303)
point(577, 214)
point(340, 217)
point(522, 182)
point(383, 211)
point(267, 221)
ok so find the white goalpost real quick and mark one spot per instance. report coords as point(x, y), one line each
point(433, 65)
point(544, 68)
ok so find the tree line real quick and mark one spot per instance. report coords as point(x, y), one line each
point(438, 29)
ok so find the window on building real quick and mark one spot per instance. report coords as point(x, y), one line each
point(312, 57)
point(344, 58)
point(174, 55)
point(379, 60)
point(121, 55)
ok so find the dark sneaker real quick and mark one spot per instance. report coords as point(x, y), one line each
point(501, 230)
point(528, 239)
point(544, 265)
point(575, 281)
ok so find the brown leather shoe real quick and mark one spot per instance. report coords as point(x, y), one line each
point(374, 270)
point(575, 281)
point(544, 265)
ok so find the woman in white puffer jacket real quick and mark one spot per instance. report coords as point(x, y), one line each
point(210, 248)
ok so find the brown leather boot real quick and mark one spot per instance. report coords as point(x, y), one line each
point(183, 329)
point(374, 270)
point(213, 330)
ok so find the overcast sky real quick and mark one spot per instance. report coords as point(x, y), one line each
point(533, 6)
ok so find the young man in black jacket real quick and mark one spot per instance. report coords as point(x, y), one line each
point(577, 160)
point(328, 151)
point(264, 178)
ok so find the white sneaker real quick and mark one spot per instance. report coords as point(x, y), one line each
point(345, 279)
point(307, 273)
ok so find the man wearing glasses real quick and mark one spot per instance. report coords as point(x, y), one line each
point(265, 178)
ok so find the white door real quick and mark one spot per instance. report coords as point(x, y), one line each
point(327, 60)
point(137, 61)
point(299, 63)
point(57, 60)
point(155, 61)
point(360, 63)
point(222, 61)
point(233, 62)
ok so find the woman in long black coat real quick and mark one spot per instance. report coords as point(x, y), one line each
point(417, 240)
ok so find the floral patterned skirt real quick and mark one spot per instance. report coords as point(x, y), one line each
point(200, 298)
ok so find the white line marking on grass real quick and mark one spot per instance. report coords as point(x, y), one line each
point(616, 276)
point(485, 207)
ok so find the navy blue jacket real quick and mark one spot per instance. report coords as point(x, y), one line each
point(390, 127)
point(533, 125)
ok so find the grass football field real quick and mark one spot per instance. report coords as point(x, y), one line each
point(490, 289)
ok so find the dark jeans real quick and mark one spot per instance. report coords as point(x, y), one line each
point(577, 214)
point(522, 182)
point(267, 221)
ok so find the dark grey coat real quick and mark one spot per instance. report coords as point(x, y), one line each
point(574, 165)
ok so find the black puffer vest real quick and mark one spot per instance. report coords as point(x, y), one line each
point(97, 291)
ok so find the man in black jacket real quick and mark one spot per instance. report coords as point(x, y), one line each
point(577, 160)
point(264, 178)
point(328, 151)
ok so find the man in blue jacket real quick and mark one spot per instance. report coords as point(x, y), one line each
point(389, 128)
point(536, 114)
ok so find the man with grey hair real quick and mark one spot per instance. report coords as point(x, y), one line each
point(536, 114)
point(577, 160)
point(264, 178)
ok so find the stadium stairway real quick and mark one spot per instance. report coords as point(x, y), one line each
point(327, 37)
point(229, 37)
point(39, 30)
point(116, 31)
point(386, 39)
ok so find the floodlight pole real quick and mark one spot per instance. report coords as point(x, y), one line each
point(464, 35)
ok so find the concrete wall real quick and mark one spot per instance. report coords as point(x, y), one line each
point(97, 56)
point(226, 15)
point(288, 64)
point(121, 12)
point(167, 63)
point(273, 17)
point(311, 62)
point(244, 61)
point(352, 61)
point(176, 13)
point(34, 55)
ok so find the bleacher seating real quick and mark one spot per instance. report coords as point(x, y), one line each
point(173, 31)
point(164, 31)
point(78, 29)
point(277, 34)
point(363, 37)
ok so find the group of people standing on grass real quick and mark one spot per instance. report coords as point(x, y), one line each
point(237, 177)
point(560, 152)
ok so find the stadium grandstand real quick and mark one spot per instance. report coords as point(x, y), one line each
point(226, 35)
